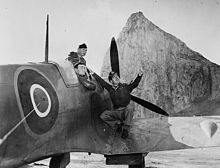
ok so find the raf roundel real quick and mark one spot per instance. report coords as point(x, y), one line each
point(40, 100)
point(36, 93)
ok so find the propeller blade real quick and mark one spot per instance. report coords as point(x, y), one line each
point(149, 105)
point(114, 57)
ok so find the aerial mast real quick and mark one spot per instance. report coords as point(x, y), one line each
point(47, 40)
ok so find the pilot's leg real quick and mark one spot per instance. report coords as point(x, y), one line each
point(128, 115)
point(111, 117)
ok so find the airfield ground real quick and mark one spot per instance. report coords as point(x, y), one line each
point(193, 158)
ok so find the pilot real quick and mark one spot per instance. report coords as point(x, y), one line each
point(78, 61)
point(120, 96)
point(77, 57)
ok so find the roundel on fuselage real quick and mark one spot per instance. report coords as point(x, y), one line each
point(38, 97)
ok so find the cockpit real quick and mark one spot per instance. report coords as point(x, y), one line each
point(70, 77)
point(67, 72)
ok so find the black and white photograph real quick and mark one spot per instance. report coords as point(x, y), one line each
point(109, 84)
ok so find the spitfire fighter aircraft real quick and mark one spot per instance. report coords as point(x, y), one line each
point(48, 111)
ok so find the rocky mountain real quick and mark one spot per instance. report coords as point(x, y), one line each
point(176, 78)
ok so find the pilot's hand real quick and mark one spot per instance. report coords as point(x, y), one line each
point(140, 73)
point(91, 72)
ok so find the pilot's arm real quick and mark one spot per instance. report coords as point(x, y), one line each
point(73, 58)
point(135, 83)
point(102, 82)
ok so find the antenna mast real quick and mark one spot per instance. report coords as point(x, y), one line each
point(47, 40)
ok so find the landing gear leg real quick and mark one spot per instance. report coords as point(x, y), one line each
point(60, 161)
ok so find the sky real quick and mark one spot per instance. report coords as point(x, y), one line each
point(95, 22)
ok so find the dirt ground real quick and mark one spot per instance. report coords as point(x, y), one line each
point(191, 158)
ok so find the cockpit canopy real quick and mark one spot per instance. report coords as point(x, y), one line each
point(67, 72)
